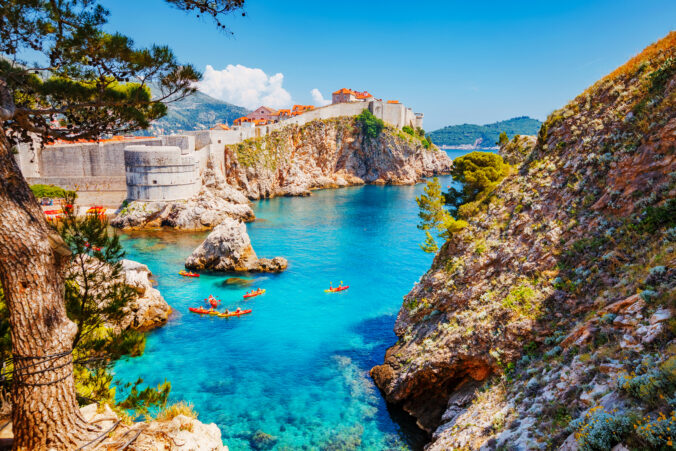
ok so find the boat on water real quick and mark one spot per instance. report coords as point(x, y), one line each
point(188, 274)
point(336, 289)
point(211, 312)
point(252, 294)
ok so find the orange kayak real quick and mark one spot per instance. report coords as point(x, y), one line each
point(334, 290)
point(255, 293)
point(188, 274)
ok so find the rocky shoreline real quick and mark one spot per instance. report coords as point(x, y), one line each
point(293, 161)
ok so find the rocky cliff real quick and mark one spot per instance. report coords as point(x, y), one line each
point(547, 322)
point(328, 154)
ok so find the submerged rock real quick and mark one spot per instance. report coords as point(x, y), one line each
point(228, 248)
point(237, 281)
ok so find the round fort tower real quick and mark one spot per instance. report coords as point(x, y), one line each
point(160, 173)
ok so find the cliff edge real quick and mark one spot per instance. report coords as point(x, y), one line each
point(548, 321)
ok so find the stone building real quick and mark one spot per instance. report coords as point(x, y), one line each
point(160, 173)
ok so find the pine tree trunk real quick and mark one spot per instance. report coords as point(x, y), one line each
point(45, 412)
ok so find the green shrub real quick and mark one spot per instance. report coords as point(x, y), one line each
point(659, 433)
point(409, 130)
point(654, 386)
point(51, 191)
point(521, 299)
point(371, 126)
point(600, 430)
point(502, 139)
point(479, 173)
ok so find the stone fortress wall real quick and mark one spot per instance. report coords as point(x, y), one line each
point(166, 167)
point(161, 173)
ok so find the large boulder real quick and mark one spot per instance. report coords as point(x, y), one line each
point(149, 310)
point(228, 248)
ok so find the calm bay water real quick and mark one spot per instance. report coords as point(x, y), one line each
point(297, 367)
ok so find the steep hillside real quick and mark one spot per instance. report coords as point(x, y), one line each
point(196, 112)
point(549, 319)
point(469, 134)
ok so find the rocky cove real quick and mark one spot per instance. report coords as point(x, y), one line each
point(546, 323)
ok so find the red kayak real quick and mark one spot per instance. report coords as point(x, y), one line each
point(255, 293)
point(334, 290)
point(188, 274)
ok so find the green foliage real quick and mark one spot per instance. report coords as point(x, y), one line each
point(479, 173)
point(434, 216)
point(658, 433)
point(503, 139)
point(95, 297)
point(654, 386)
point(93, 83)
point(662, 75)
point(145, 402)
point(655, 218)
point(600, 430)
point(409, 130)
point(430, 244)
point(52, 191)
point(522, 300)
point(371, 126)
point(455, 135)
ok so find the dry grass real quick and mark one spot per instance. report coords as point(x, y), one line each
point(174, 410)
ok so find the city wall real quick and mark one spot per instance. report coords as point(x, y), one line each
point(103, 167)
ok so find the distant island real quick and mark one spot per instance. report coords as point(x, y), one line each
point(473, 135)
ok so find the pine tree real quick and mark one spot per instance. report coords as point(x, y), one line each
point(434, 216)
point(83, 89)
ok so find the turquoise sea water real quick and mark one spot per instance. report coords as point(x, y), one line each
point(297, 367)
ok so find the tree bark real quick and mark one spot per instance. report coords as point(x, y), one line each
point(45, 411)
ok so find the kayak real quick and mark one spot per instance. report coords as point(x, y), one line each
point(256, 293)
point(188, 274)
point(334, 290)
point(203, 311)
point(228, 315)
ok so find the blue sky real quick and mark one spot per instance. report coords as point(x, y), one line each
point(456, 61)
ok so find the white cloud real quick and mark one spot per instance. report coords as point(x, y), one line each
point(245, 86)
point(319, 98)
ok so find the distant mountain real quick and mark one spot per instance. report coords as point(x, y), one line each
point(468, 134)
point(196, 112)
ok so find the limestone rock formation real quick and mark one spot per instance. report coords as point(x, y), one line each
point(557, 299)
point(181, 433)
point(215, 201)
point(228, 248)
point(328, 153)
point(149, 309)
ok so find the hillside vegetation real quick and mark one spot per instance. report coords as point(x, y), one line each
point(467, 134)
point(547, 322)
